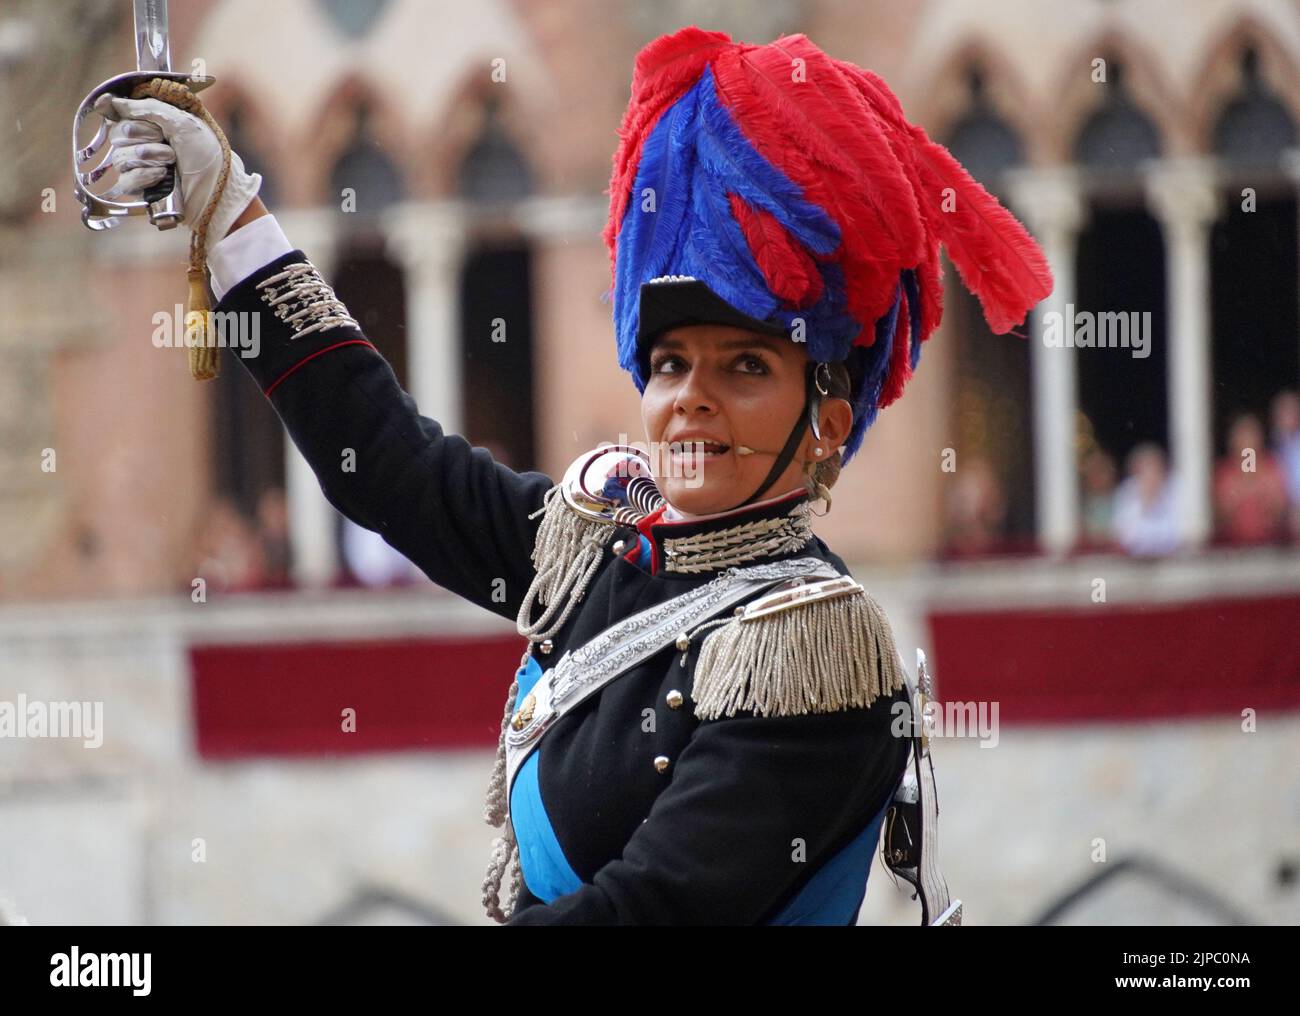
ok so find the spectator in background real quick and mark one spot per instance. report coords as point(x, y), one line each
point(372, 561)
point(273, 532)
point(1146, 510)
point(229, 555)
point(976, 510)
point(1249, 489)
point(1098, 497)
point(1286, 441)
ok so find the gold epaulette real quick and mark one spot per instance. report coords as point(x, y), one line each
point(814, 648)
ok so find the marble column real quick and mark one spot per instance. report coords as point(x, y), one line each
point(1049, 201)
point(1182, 194)
point(428, 240)
point(312, 519)
point(558, 230)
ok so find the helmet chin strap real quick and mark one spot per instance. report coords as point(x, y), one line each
point(791, 443)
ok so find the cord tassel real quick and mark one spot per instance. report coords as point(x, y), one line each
point(505, 861)
point(495, 812)
point(204, 364)
point(198, 326)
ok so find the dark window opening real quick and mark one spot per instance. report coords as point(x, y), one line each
point(1121, 268)
point(497, 347)
point(1254, 308)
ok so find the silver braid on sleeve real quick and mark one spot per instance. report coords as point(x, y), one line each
point(301, 298)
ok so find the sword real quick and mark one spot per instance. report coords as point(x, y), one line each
point(912, 823)
point(163, 202)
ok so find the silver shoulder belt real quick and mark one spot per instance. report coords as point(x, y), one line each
point(582, 672)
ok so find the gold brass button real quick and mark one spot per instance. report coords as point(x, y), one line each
point(547, 645)
point(618, 547)
point(524, 714)
point(683, 642)
point(661, 762)
point(674, 699)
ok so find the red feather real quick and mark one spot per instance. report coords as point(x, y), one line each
point(839, 133)
point(994, 254)
point(900, 361)
point(841, 162)
point(788, 269)
point(664, 70)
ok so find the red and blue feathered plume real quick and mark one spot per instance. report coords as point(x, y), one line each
point(791, 184)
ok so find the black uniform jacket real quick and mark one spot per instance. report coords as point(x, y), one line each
point(755, 819)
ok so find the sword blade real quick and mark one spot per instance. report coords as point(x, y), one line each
point(152, 48)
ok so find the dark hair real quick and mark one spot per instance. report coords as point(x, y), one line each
point(825, 473)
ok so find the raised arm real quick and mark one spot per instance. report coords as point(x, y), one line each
point(463, 518)
point(459, 515)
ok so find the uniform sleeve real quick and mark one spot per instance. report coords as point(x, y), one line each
point(238, 255)
point(721, 845)
point(448, 506)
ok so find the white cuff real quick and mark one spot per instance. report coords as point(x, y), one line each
point(238, 255)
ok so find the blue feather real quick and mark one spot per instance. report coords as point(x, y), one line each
point(738, 167)
point(697, 155)
point(913, 291)
point(647, 239)
point(693, 158)
point(867, 403)
point(862, 415)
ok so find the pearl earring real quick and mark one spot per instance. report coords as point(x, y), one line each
point(819, 451)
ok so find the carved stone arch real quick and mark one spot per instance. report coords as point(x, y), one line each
point(334, 129)
point(1078, 97)
point(452, 137)
point(947, 94)
point(1218, 79)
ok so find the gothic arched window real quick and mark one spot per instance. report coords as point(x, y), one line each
point(1254, 128)
point(1118, 135)
point(365, 172)
point(981, 139)
point(493, 172)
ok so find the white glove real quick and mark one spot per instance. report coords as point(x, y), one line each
point(149, 135)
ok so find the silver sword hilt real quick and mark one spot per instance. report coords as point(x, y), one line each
point(163, 202)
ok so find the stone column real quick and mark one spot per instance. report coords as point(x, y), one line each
point(1183, 196)
point(1049, 200)
point(428, 240)
point(311, 517)
point(562, 232)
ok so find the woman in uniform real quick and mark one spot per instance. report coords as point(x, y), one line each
point(701, 728)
